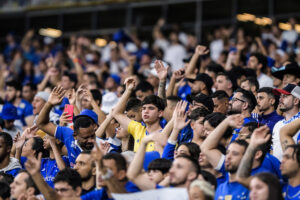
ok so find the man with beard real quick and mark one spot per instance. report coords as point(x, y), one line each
point(289, 105)
point(267, 103)
point(13, 96)
point(86, 168)
point(228, 164)
point(242, 102)
point(85, 125)
point(201, 84)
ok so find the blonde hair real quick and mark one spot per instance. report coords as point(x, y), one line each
point(205, 187)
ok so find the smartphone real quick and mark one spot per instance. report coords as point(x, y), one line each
point(69, 109)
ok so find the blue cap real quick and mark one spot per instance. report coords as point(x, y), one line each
point(87, 113)
point(116, 78)
point(9, 112)
point(149, 156)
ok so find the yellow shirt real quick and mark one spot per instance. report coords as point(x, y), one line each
point(138, 131)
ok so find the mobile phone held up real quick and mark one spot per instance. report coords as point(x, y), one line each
point(69, 109)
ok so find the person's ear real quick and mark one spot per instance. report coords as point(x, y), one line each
point(272, 101)
point(296, 101)
point(18, 94)
point(245, 105)
point(78, 191)
point(160, 113)
point(94, 171)
point(258, 155)
point(192, 176)
point(192, 124)
point(30, 191)
point(95, 127)
point(121, 174)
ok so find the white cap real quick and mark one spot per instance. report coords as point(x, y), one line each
point(109, 100)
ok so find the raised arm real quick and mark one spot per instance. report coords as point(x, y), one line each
point(162, 73)
point(57, 154)
point(73, 57)
point(134, 172)
point(43, 122)
point(176, 76)
point(259, 137)
point(199, 51)
point(209, 146)
point(101, 130)
point(287, 133)
point(118, 112)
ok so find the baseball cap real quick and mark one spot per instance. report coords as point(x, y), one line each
point(87, 113)
point(43, 95)
point(202, 98)
point(9, 112)
point(291, 68)
point(206, 79)
point(289, 89)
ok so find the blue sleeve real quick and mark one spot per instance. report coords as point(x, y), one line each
point(28, 110)
point(63, 133)
point(22, 161)
point(95, 195)
point(168, 152)
point(13, 172)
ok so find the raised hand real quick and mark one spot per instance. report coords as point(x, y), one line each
point(72, 52)
point(64, 119)
point(130, 83)
point(56, 95)
point(33, 164)
point(149, 138)
point(260, 136)
point(72, 96)
point(201, 50)
point(179, 74)
point(19, 140)
point(180, 116)
point(161, 71)
point(235, 121)
point(96, 153)
point(104, 147)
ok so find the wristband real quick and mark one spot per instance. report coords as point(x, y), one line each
point(108, 174)
point(75, 60)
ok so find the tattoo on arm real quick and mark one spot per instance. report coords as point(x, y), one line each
point(161, 89)
point(246, 163)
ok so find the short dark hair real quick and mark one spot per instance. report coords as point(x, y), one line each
point(230, 78)
point(5, 190)
point(250, 98)
point(31, 85)
point(29, 182)
point(261, 60)
point(209, 177)
point(161, 164)
point(133, 104)
point(92, 75)
point(193, 148)
point(70, 176)
point(82, 122)
point(220, 94)
point(155, 100)
point(243, 143)
point(71, 76)
point(199, 112)
point(8, 178)
point(253, 82)
point(97, 95)
point(14, 84)
point(194, 162)
point(214, 119)
point(144, 86)
point(37, 145)
point(270, 93)
point(174, 99)
point(7, 139)
point(118, 158)
point(216, 68)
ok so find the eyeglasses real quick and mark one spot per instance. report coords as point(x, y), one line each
point(237, 99)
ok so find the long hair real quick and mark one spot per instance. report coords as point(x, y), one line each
point(273, 183)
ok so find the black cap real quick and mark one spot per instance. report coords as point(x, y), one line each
point(202, 98)
point(291, 68)
point(206, 79)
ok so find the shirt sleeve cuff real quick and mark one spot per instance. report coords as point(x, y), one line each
point(221, 161)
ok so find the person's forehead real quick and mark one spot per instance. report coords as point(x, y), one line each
point(235, 147)
point(61, 184)
point(83, 157)
point(21, 177)
point(182, 161)
point(262, 94)
point(238, 94)
point(148, 105)
point(110, 163)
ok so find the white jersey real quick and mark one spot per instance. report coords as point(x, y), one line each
point(277, 149)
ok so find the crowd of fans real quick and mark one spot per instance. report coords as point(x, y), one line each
point(82, 122)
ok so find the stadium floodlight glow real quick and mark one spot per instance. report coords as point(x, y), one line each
point(245, 17)
point(285, 26)
point(263, 21)
point(100, 42)
point(50, 32)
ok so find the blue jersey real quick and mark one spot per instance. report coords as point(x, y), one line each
point(102, 194)
point(273, 164)
point(290, 192)
point(233, 191)
point(184, 91)
point(270, 120)
point(65, 135)
point(168, 152)
point(49, 169)
point(24, 110)
point(13, 172)
point(246, 121)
